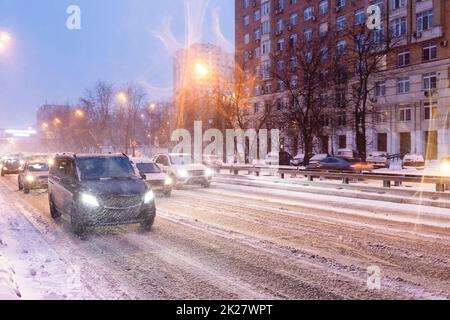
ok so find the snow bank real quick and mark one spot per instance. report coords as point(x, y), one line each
point(8, 287)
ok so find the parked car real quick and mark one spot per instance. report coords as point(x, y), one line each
point(153, 176)
point(282, 158)
point(99, 190)
point(33, 176)
point(445, 166)
point(414, 161)
point(10, 165)
point(183, 170)
point(340, 164)
point(298, 160)
point(379, 159)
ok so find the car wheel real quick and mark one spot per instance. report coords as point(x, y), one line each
point(53, 211)
point(148, 223)
point(168, 193)
point(3, 174)
point(76, 222)
point(26, 189)
point(206, 185)
point(20, 185)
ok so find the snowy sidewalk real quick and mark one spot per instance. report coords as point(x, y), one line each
point(8, 286)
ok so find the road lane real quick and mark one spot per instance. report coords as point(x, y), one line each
point(231, 243)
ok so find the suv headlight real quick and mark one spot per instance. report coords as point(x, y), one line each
point(149, 197)
point(209, 172)
point(169, 181)
point(29, 178)
point(183, 173)
point(89, 200)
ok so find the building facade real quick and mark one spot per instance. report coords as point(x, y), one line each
point(412, 97)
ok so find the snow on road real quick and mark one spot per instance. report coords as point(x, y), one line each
point(232, 242)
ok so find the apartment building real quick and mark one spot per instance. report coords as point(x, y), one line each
point(412, 96)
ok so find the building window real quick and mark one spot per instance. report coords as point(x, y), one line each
point(280, 65)
point(340, 3)
point(265, 8)
point(398, 27)
point(404, 114)
point(429, 81)
point(293, 40)
point(308, 14)
point(246, 3)
point(382, 142)
point(360, 17)
point(257, 15)
point(293, 20)
point(323, 7)
point(341, 47)
point(280, 5)
point(308, 35)
point(424, 21)
point(265, 27)
point(380, 89)
point(341, 23)
point(266, 47)
point(342, 120)
point(398, 4)
point(323, 29)
point(293, 62)
point(404, 58)
point(403, 85)
point(280, 88)
point(246, 20)
point(342, 142)
point(280, 25)
point(247, 39)
point(294, 81)
point(280, 45)
point(429, 52)
point(340, 99)
point(431, 111)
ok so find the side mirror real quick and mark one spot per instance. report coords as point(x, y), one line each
point(143, 176)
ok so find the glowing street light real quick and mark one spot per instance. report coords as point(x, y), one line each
point(4, 40)
point(44, 126)
point(79, 113)
point(57, 121)
point(201, 70)
point(152, 106)
point(122, 97)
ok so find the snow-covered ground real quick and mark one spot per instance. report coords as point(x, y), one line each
point(229, 242)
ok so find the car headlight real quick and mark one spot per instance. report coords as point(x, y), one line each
point(89, 200)
point(169, 181)
point(22, 162)
point(445, 168)
point(209, 172)
point(51, 161)
point(183, 173)
point(5, 168)
point(149, 197)
point(29, 178)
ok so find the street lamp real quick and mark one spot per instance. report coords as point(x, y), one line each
point(4, 40)
point(122, 97)
point(79, 113)
point(201, 70)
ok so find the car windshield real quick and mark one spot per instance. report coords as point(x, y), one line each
point(148, 168)
point(181, 159)
point(38, 167)
point(98, 168)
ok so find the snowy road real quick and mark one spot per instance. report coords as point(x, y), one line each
point(232, 242)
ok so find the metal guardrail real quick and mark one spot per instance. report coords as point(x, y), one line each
point(442, 182)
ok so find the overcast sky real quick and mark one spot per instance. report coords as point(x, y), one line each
point(120, 41)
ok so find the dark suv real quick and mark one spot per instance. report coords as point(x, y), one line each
point(99, 190)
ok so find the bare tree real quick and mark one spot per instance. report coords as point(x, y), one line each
point(303, 72)
point(366, 57)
